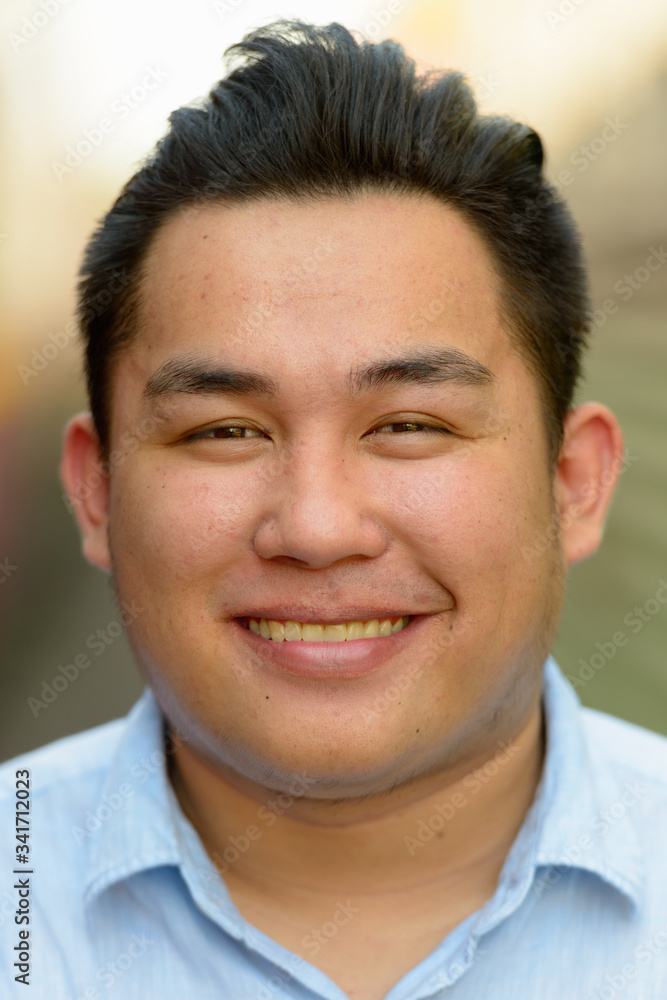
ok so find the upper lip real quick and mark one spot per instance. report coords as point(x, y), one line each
point(329, 617)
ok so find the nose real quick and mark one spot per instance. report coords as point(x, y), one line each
point(319, 510)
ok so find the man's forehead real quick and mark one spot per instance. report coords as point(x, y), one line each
point(309, 239)
point(229, 283)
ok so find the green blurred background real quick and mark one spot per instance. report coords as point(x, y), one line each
point(567, 74)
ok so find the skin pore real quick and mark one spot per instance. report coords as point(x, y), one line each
point(337, 498)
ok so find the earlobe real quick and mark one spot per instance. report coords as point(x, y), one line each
point(588, 469)
point(84, 476)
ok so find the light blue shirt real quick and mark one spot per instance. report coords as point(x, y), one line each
point(125, 904)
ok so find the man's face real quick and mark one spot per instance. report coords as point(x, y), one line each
point(335, 502)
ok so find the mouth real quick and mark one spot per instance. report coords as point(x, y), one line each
point(276, 630)
point(320, 650)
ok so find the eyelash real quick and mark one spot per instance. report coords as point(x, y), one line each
point(202, 435)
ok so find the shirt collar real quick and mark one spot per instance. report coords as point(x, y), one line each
point(138, 823)
point(132, 828)
point(580, 795)
point(565, 827)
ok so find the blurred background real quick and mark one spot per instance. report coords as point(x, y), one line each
point(589, 75)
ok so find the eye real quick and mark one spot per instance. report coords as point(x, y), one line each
point(234, 431)
point(224, 433)
point(412, 427)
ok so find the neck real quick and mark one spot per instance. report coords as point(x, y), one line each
point(446, 828)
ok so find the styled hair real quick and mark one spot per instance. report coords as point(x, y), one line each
point(310, 112)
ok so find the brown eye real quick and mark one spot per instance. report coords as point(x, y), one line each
point(223, 433)
point(429, 428)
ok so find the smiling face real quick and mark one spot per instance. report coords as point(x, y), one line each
point(393, 461)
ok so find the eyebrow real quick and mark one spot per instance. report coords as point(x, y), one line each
point(197, 375)
point(426, 366)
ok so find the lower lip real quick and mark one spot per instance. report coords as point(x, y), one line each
point(332, 660)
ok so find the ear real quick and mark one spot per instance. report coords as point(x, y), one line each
point(85, 477)
point(590, 463)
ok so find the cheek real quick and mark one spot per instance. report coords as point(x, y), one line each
point(474, 511)
point(474, 526)
point(172, 524)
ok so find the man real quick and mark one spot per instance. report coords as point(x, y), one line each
point(334, 468)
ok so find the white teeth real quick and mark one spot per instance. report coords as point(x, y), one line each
point(290, 631)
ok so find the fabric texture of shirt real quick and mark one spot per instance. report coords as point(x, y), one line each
point(125, 904)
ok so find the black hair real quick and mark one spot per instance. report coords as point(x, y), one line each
point(310, 111)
